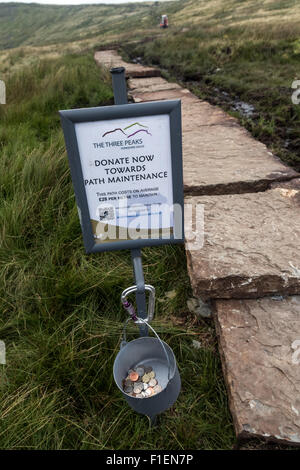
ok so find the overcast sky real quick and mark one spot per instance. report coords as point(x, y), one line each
point(72, 2)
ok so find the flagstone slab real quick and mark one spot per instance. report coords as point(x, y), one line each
point(166, 94)
point(259, 342)
point(110, 58)
point(251, 244)
point(151, 84)
point(221, 157)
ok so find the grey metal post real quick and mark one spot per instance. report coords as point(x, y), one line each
point(120, 97)
point(140, 293)
point(119, 85)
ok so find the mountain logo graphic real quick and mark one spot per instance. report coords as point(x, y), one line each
point(130, 131)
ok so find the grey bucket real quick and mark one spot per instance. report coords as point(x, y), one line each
point(157, 354)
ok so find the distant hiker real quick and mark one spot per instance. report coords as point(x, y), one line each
point(164, 23)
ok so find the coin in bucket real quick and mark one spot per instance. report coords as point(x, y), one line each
point(147, 363)
point(141, 382)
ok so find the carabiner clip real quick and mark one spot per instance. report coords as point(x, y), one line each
point(129, 307)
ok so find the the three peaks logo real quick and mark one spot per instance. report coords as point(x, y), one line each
point(129, 131)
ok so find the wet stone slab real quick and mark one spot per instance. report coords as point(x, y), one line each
point(149, 85)
point(168, 93)
point(259, 343)
point(251, 244)
point(221, 157)
point(111, 58)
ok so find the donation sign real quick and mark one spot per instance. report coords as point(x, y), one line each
point(126, 170)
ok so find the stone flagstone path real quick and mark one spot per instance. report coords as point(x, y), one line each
point(250, 262)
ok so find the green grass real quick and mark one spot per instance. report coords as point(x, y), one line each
point(60, 312)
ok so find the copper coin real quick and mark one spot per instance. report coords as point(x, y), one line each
point(133, 376)
point(149, 391)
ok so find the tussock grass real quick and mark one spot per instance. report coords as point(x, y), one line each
point(60, 313)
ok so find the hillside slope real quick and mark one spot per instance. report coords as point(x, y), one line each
point(33, 24)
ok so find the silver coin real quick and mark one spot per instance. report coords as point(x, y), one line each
point(152, 382)
point(139, 395)
point(128, 382)
point(145, 386)
point(128, 389)
point(157, 389)
point(148, 392)
point(148, 369)
point(137, 390)
point(140, 370)
point(144, 394)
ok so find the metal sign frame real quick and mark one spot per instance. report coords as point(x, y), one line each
point(70, 117)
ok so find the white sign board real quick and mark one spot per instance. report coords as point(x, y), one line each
point(126, 167)
point(127, 172)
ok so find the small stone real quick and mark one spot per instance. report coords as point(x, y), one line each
point(198, 307)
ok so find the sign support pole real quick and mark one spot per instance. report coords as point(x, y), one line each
point(120, 97)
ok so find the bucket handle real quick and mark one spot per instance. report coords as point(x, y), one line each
point(152, 329)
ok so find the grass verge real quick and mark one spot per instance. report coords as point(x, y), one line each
point(61, 317)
